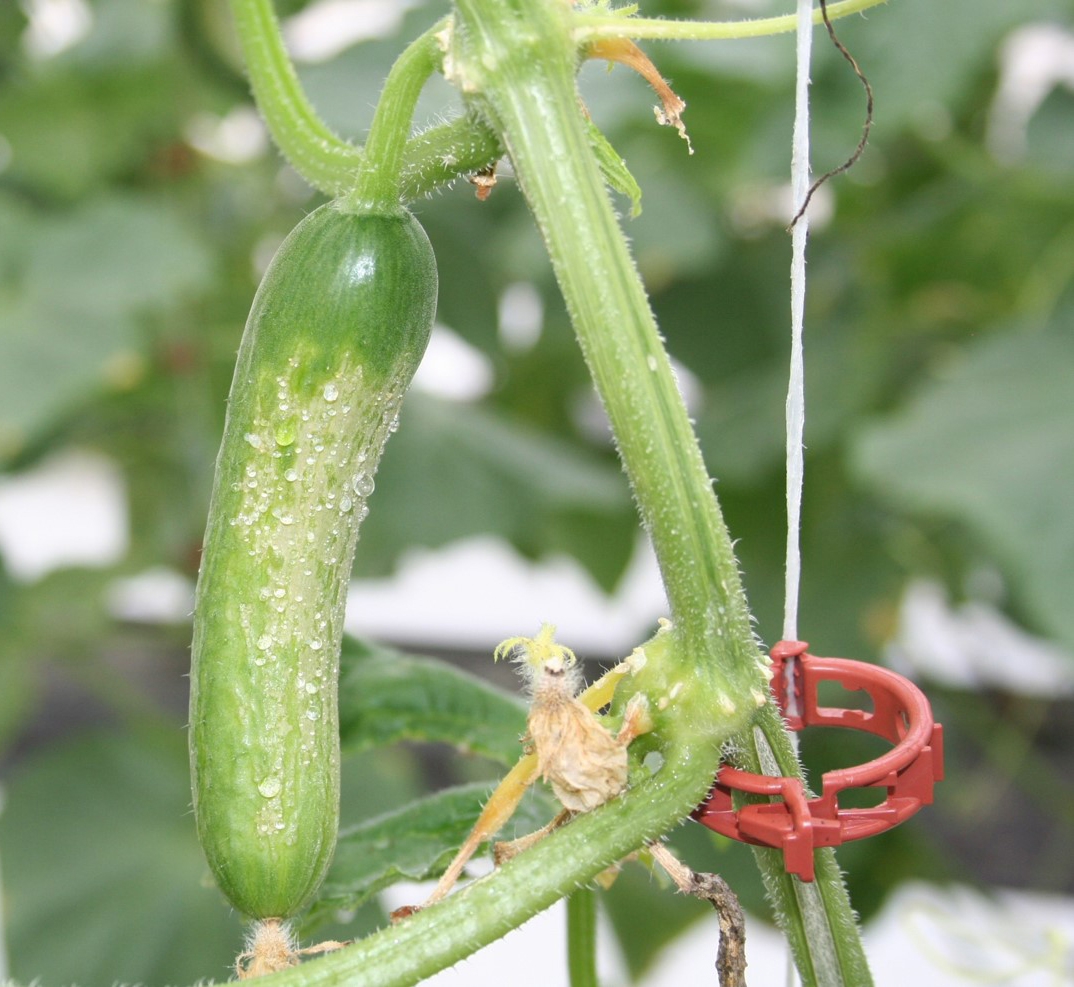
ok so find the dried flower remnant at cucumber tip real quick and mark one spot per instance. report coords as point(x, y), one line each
point(576, 754)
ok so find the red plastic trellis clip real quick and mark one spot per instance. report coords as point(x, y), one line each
point(797, 824)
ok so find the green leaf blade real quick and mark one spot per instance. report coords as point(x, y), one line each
point(386, 696)
point(413, 843)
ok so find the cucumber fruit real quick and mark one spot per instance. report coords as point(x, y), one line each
point(336, 331)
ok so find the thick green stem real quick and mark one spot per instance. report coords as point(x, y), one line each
point(378, 184)
point(582, 938)
point(441, 154)
point(816, 917)
point(484, 910)
point(518, 61)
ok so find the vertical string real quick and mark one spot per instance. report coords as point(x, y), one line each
point(795, 410)
point(796, 382)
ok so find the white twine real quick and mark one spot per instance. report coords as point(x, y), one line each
point(796, 382)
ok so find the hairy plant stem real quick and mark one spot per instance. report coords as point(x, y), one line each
point(816, 918)
point(328, 162)
point(377, 185)
point(517, 60)
point(582, 938)
point(591, 25)
point(321, 157)
point(486, 909)
point(439, 155)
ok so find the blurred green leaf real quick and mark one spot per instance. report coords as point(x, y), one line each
point(116, 254)
point(98, 125)
point(454, 470)
point(413, 843)
point(17, 668)
point(103, 875)
point(914, 76)
point(990, 444)
point(386, 696)
point(71, 321)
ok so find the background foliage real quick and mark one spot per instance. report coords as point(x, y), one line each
point(940, 431)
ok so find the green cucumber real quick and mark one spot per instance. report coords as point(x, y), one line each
point(336, 331)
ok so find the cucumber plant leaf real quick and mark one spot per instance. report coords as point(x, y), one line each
point(991, 445)
point(386, 696)
point(413, 843)
point(103, 874)
point(74, 300)
point(614, 168)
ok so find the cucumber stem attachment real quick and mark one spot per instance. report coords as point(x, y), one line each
point(378, 183)
point(324, 159)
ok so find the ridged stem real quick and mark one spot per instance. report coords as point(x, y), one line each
point(518, 62)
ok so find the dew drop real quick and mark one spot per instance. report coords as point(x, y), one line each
point(291, 475)
point(313, 713)
point(285, 432)
point(264, 642)
point(331, 392)
point(270, 787)
point(363, 484)
point(254, 440)
point(345, 503)
point(279, 593)
point(311, 688)
point(315, 645)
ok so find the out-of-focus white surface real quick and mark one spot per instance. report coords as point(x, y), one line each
point(324, 29)
point(71, 510)
point(478, 591)
point(924, 937)
point(972, 645)
point(1034, 60)
point(452, 368)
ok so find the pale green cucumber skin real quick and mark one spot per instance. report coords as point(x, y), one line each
point(336, 331)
